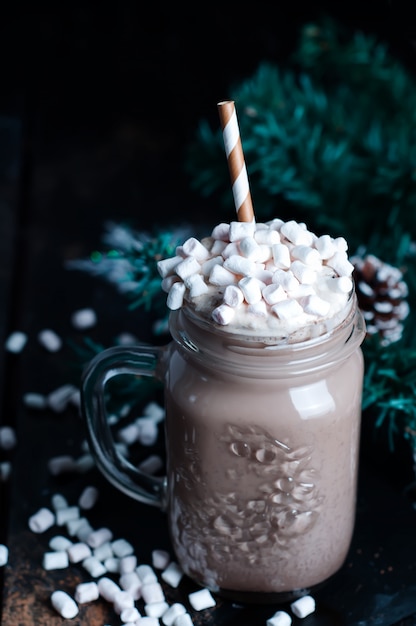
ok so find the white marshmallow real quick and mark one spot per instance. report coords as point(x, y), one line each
point(160, 559)
point(155, 411)
point(8, 438)
point(59, 543)
point(325, 246)
point(314, 305)
point(79, 528)
point(274, 293)
point(201, 599)
point(172, 574)
point(175, 296)
point(340, 263)
point(287, 309)
point(88, 497)
point(152, 592)
point(303, 606)
point(128, 564)
point(122, 548)
point(303, 273)
point(221, 231)
point(239, 265)
point(167, 282)
point(267, 237)
point(286, 279)
point(50, 340)
point(86, 592)
point(195, 248)
point(107, 588)
point(148, 431)
point(98, 537)
point(93, 566)
point(280, 618)
point(218, 247)
point(239, 230)
point(223, 314)
point(251, 288)
point(146, 573)
point(233, 296)
point(15, 342)
point(221, 276)
point(59, 399)
point(58, 559)
point(206, 268)
point(112, 564)
point(5, 470)
point(58, 465)
point(35, 400)
point(341, 284)
point(59, 501)
point(176, 609)
point(281, 256)
point(123, 600)
point(84, 318)
point(306, 254)
point(42, 520)
point(103, 552)
point(249, 248)
point(196, 285)
point(230, 250)
point(296, 233)
point(4, 555)
point(65, 515)
point(155, 610)
point(187, 267)
point(77, 552)
point(151, 464)
point(64, 604)
point(130, 582)
point(165, 267)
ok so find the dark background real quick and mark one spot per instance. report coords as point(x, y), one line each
point(112, 93)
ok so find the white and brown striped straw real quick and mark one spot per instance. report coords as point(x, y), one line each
point(236, 162)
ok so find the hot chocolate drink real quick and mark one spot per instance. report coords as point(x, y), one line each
point(263, 406)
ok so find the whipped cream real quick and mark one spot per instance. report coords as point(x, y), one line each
point(268, 278)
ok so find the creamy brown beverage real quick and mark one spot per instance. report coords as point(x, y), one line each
point(263, 413)
point(263, 381)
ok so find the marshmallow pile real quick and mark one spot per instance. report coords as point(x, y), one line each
point(251, 275)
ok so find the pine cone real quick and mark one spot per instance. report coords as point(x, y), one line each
point(381, 294)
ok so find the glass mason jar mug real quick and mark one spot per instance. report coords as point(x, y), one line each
point(262, 443)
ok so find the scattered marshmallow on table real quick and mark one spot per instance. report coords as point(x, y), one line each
point(172, 574)
point(50, 340)
point(16, 341)
point(99, 536)
point(77, 552)
point(86, 592)
point(42, 520)
point(175, 609)
point(183, 620)
point(4, 555)
point(107, 588)
point(58, 559)
point(33, 400)
point(88, 497)
point(152, 592)
point(201, 599)
point(302, 607)
point(160, 558)
point(122, 547)
point(64, 604)
point(84, 318)
point(156, 609)
point(280, 618)
point(5, 470)
point(8, 438)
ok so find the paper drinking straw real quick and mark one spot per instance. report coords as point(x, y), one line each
point(236, 163)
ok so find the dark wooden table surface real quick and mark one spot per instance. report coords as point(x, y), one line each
point(96, 108)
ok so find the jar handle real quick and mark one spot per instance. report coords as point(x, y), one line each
point(112, 362)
